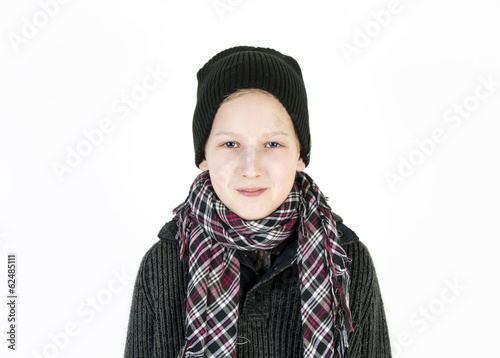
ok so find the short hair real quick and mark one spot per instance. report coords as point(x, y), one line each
point(243, 91)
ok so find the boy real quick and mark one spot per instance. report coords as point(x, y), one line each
point(255, 263)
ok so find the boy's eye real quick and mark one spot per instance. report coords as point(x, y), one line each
point(230, 145)
point(273, 145)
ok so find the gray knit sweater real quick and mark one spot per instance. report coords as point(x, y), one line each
point(269, 315)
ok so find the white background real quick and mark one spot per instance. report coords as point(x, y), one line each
point(368, 109)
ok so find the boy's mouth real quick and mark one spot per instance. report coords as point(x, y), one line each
point(251, 191)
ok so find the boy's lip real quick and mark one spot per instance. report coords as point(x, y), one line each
point(251, 191)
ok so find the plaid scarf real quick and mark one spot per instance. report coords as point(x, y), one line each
point(210, 234)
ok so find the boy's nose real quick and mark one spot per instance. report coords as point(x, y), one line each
point(251, 165)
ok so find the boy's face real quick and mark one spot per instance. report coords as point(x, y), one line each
point(252, 154)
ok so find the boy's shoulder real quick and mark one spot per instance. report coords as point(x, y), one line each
point(168, 232)
point(346, 234)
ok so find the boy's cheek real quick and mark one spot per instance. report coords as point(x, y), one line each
point(222, 174)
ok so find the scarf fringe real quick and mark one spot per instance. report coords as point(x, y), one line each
point(339, 278)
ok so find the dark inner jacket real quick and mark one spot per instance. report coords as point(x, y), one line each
point(269, 323)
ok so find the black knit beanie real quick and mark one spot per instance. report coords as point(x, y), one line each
point(250, 67)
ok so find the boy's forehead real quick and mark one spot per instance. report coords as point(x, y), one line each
point(228, 133)
point(226, 127)
point(268, 114)
point(253, 114)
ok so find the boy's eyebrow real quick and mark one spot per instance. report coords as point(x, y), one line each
point(233, 134)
